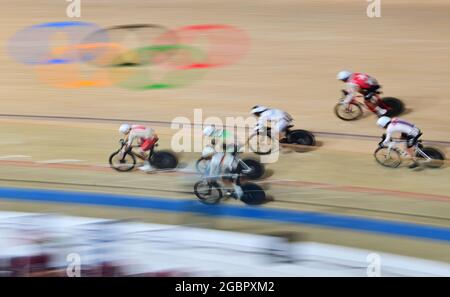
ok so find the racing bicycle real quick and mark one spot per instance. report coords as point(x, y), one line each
point(126, 161)
point(210, 191)
point(355, 109)
point(392, 156)
point(261, 141)
point(248, 167)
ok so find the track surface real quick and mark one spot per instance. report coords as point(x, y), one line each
point(61, 138)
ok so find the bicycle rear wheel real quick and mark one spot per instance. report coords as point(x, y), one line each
point(257, 169)
point(253, 194)
point(301, 137)
point(208, 192)
point(388, 157)
point(395, 106)
point(164, 160)
point(437, 157)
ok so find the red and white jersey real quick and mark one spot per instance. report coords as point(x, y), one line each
point(362, 80)
point(138, 132)
point(400, 126)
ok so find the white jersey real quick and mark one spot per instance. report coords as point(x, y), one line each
point(400, 126)
point(138, 132)
point(273, 115)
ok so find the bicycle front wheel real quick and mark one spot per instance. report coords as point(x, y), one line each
point(348, 112)
point(388, 157)
point(260, 143)
point(208, 192)
point(122, 163)
point(202, 165)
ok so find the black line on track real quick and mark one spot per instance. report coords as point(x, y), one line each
point(113, 120)
point(363, 209)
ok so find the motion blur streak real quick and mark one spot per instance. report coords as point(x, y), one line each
point(297, 217)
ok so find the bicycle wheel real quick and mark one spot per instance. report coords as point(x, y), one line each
point(202, 165)
point(301, 137)
point(126, 163)
point(395, 106)
point(348, 113)
point(164, 160)
point(388, 157)
point(257, 169)
point(437, 157)
point(208, 192)
point(260, 144)
point(253, 194)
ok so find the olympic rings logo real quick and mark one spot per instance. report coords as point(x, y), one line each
point(138, 56)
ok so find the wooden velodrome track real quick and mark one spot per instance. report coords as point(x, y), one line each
point(296, 49)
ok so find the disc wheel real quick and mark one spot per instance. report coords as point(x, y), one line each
point(395, 106)
point(301, 137)
point(253, 194)
point(164, 160)
point(437, 157)
point(257, 169)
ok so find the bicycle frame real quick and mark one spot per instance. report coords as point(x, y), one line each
point(366, 102)
point(417, 149)
point(239, 161)
point(130, 151)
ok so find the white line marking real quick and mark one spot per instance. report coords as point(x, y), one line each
point(13, 157)
point(60, 161)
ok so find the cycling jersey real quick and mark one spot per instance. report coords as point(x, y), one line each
point(400, 126)
point(279, 118)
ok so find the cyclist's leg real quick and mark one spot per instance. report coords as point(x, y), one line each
point(411, 143)
point(280, 129)
point(216, 165)
point(233, 181)
point(231, 178)
point(371, 99)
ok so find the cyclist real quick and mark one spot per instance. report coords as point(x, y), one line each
point(361, 83)
point(223, 162)
point(409, 132)
point(218, 137)
point(279, 120)
point(146, 138)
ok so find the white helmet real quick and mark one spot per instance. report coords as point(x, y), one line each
point(209, 130)
point(258, 109)
point(124, 128)
point(383, 121)
point(343, 75)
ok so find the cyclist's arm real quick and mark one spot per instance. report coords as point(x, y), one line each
point(388, 137)
point(130, 139)
point(262, 121)
point(352, 91)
